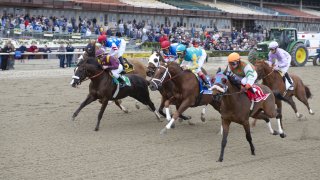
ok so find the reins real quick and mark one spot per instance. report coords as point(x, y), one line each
point(94, 76)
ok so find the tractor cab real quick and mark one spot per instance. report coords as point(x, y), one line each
point(287, 39)
point(283, 36)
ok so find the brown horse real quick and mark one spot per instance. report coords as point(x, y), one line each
point(274, 81)
point(138, 68)
point(235, 107)
point(186, 92)
point(103, 88)
point(156, 60)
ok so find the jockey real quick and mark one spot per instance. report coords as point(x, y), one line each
point(190, 60)
point(203, 52)
point(118, 46)
point(110, 62)
point(169, 51)
point(283, 61)
point(243, 70)
point(102, 39)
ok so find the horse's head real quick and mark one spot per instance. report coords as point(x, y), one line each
point(160, 75)
point(262, 68)
point(219, 83)
point(153, 63)
point(87, 68)
point(90, 49)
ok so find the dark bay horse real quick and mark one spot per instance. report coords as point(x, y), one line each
point(102, 87)
point(274, 81)
point(186, 92)
point(166, 91)
point(235, 107)
point(138, 68)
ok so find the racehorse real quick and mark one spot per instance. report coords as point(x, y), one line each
point(274, 81)
point(236, 107)
point(137, 68)
point(102, 87)
point(155, 60)
point(186, 92)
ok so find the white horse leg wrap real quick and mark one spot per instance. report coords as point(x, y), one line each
point(279, 126)
point(168, 116)
point(168, 126)
point(270, 127)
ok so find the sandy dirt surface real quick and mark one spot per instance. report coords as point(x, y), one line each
point(38, 140)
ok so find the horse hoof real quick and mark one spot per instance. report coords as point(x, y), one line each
point(126, 111)
point(163, 131)
point(253, 153)
point(191, 123)
point(312, 113)
point(173, 126)
point(73, 118)
point(283, 135)
point(299, 115)
point(180, 120)
point(203, 119)
point(220, 160)
point(275, 132)
point(96, 129)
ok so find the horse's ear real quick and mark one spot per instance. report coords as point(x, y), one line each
point(219, 70)
point(224, 81)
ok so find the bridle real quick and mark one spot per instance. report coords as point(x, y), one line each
point(87, 78)
point(161, 80)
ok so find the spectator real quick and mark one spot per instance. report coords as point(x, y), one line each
point(8, 48)
point(69, 48)
point(46, 50)
point(33, 49)
point(61, 56)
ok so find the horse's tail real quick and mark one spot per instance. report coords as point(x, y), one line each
point(279, 96)
point(308, 92)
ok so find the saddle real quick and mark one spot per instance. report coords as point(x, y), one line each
point(128, 67)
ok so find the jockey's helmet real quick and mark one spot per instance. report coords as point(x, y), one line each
point(165, 44)
point(181, 48)
point(196, 42)
point(99, 52)
point(102, 39)
point(273, 45)
point(233, 57)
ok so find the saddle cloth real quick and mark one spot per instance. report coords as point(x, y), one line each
point(203, 89)
point(259, 94)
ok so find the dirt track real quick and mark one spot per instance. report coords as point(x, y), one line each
point(38, 140)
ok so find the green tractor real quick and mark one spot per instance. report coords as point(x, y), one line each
point(287, 39)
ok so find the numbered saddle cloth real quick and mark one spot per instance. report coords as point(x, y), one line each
point(258, 96)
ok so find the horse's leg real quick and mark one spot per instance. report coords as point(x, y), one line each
point(304, 100)
point(265, 117)
point(293, 105)
point(183, 106)
point(118, 103)
point(279, 119)
point(166, 107)
point(225, 126)
point(103, 107)
point(246, 127)
point(87, 101)
point(203, 113)
point(160, 110)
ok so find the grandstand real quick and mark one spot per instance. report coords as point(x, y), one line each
point(223, 14)
point(231, 8)
point(190, 5)
point(148, 3)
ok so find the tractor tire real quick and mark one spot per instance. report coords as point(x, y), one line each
point(299, 55)
point(253, 56)
point(316, 60)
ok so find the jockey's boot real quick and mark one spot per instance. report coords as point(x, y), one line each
point(205, 80)
point(286, 75)
point(122, 63)
point(121, 82)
